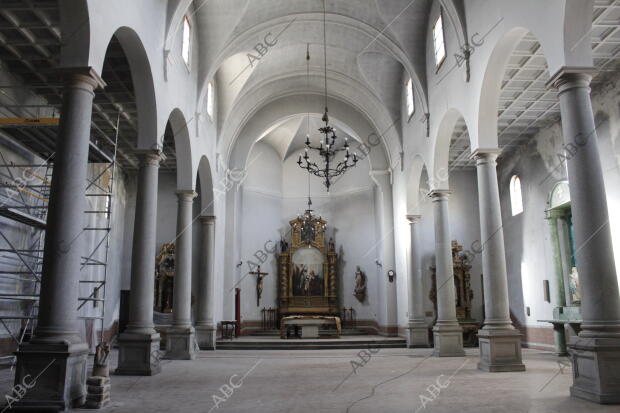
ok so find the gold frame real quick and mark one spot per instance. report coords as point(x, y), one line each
point(328, 302)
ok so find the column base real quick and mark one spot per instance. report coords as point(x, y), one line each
point(596, 369)
point(417, 335)
point(138, 354)
point(500, 350)
point(60, 372)
point(180, 343)
point(448, 337)
point(206, 337)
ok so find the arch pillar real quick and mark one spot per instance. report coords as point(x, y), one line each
point(56, 354)
point(595, 352)
point(180, 337)
point(500, 342)
point(138, 345)
point(417, 335)
point(205, 326)
point(447, 332)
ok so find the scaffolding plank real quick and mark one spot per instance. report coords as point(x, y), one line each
point(29, 121)
point(19, 216)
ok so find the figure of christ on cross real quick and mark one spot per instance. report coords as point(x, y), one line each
point(259, 283)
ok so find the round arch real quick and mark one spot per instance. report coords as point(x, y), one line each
point(206, 187)
point(415, 190)
point(144, 86)
point(439, 172)
point(286, 107)
point(180, 131)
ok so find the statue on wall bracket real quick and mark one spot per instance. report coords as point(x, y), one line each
point(360, 285)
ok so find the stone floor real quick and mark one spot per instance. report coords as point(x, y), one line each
point(391, 380)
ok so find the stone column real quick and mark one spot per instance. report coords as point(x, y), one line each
point(138, 345)
point(595, 353)
point(447, 332)
point(500, 342)
point(418, 329)
point(56, 353)
point(384, 185)
point(205, 327)
point(559, 332)
point(180, 342)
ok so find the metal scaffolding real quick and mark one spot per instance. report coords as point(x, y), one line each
point(24, 195)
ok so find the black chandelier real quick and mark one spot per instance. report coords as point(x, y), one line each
point(327, 149)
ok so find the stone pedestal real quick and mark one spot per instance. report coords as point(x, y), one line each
point(417, 333)
point(500, 343)
point(139, 354)
point(500, 350)
point(596, 369)
point(595, 353)
point(447, 332)
point(61, 372)
point(180, 343)
point(138, 345)
point(206, 336)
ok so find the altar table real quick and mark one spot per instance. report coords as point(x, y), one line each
point(309, 324)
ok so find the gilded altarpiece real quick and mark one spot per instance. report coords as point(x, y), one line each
point(307, 271)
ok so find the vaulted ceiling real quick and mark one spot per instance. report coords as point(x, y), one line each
point(372, 47)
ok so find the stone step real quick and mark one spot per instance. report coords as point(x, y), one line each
point(326, 332)
point(313, 344)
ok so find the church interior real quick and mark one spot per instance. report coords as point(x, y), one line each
point(310, 205)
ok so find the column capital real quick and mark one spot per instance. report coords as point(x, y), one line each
point(414, 219)
point(149, 157)
point(207, 219)
point(554, 213)
point(440, 194)
point(381, 176)
point(83, 74)
point(571, 76)
point(186, 194)
point(485, 155)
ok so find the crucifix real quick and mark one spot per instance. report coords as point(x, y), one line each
point(259, 283)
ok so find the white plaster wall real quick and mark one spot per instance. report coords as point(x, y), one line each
point(260, 230)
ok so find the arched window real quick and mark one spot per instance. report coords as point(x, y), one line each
point(187, 37)
point(410, 103)
point(210, 100)
point(438, 41)
point(516, 199)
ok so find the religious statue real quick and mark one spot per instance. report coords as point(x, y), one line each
point(164, 278)
point(360, 285)
point(260, 276)
point(331, 247)
point(574, 287)
point(100, 367)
